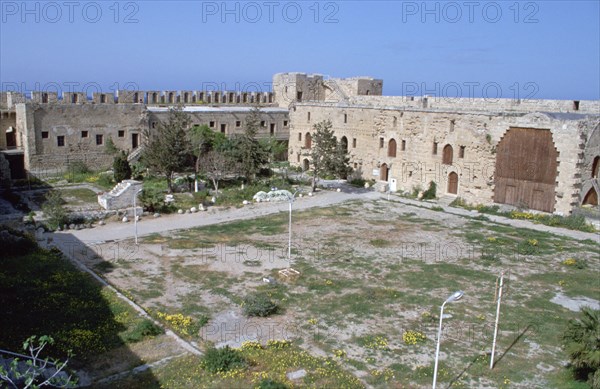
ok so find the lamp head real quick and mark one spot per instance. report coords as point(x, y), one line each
point(455, 296)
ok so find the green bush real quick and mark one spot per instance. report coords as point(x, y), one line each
point(268, 383)
point(143, 329)
point(222, 360)
point(15, 242)
point(429, 194)
point(121, 168)
point(358, 182)
point(582, 344)
point(259, 304)
point(54, 211)
point(78, 167)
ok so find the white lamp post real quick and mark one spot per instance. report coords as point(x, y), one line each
point(455, 296)
point(135, 214)
point(291, 201)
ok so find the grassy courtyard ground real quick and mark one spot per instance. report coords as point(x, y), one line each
point(364, 309)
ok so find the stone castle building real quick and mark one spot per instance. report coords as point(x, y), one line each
point(539, 154)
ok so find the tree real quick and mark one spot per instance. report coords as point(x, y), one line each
point(167, 151)
point(35, 372)
point(121, 167)
point(54, 210)
point(204, 140)
point(273, 148)
point(216, 166)
point(247, 150)
point(327, 155)
point(582, 343)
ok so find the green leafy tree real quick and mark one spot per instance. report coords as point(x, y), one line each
point(327, 155)
point(273, 148)
point(36, 371)
point(54, 210)
point(247, 150)
point(167, 151)
point(121, 167)
point(582, 344)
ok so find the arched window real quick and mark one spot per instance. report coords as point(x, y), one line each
point(595, 167)
point(344, 143)
point(447, 157)
point(392, 148)
point(308, 141)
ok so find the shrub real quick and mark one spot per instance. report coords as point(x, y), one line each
point(78, 168)
point(358, 182)
point(222, 360)
point(259, 304)
point(121, 168)
point(581, 344)
point(54, 211)
point(429, 194)
point(15, 242)
point(268, 383)
point(143, 329)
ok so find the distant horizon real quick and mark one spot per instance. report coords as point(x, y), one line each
point(510, 50)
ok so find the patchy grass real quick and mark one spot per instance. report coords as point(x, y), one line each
point(366, 279)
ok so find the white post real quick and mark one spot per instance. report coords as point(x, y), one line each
point(290, 235)
point(135, 215)
point(437, 348)
point(497, 320)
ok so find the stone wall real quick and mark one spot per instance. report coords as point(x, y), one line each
point(73, 132)
point(477, 104)
point(8, 119)
point(418, 161)
point(230, 120)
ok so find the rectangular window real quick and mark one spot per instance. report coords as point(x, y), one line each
point(403, 147)
point(345, 118)
point(381, 143)
point(103, 99)
point(211, 124)
point(238, 123)
point(434, 151)
point(263, 123)
point(285, 123)
point(99, 139)
point(121, 134)
point(84, 134)
point(299, 137)
point(223, 128)
point(272, 129)
point(60, 140)
point(452, 125)
point(44, 134)
point(309, 116)
point(353, 143)
point(461, 152)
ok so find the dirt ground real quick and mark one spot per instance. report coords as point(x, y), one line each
point(370, 271)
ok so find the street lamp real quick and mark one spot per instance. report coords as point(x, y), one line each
point(291, 201)
point(455, 297)
point(135, 214)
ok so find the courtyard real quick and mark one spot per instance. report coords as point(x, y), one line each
point(364, 309)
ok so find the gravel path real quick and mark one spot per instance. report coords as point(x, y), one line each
point(149, 225)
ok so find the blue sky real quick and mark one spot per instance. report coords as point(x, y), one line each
point(535, 49)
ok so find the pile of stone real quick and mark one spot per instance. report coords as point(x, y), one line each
point(272, 196)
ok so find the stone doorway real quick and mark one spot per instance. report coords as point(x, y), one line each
point(453, 183)
point(383, 172)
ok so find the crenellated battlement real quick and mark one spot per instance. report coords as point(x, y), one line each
point(152, 97)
